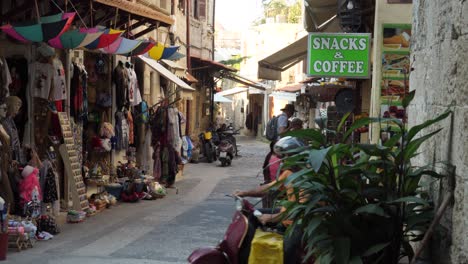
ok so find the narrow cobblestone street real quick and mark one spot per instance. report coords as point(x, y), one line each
point(162, 231)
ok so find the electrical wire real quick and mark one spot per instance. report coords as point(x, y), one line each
point(53, 2)
point(73, 6)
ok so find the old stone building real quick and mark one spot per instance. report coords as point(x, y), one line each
point(439, 55)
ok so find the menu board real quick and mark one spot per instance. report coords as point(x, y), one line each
point(395, 70)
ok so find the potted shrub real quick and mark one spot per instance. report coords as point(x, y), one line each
point(364, 202)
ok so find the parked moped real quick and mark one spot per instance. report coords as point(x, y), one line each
point(207, 145)
point(234, 248)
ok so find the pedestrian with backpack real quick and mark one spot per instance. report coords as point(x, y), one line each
point(279, 124)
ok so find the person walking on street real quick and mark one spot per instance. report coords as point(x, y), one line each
point(283, 124)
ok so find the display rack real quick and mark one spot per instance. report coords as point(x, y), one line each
point(71, 156)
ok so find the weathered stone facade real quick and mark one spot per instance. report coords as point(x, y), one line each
point(439, 58)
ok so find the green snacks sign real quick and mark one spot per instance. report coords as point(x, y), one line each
point(339, 55)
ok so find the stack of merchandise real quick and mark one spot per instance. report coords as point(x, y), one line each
point(76, 216)
point(22, 233)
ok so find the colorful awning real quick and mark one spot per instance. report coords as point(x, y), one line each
point(48, 28)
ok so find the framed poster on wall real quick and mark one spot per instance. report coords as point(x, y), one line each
point(394, 83)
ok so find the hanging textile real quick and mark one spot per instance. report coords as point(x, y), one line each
point(131, 130)
point(120, 79)
point(5, 79)
point(121, 131)
point(48, 183)
point(19, 81)
point(167, 144)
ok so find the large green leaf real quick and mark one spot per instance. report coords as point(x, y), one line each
point(342, 250)
point(417, 219)
point(424, 171)
point(393, 140)
point(374, 149)
point(408, 98)
point(375, 249)
point(356, 260)
point(371, 209)
point(411, 199)
point(312, 203)
point(414, 145)
point(325, 258)
point(343, 120)
point(411, 185)
point(415, 130)
point(297, 174)
point(312, 225)
point(316, 157)
point(308, 134)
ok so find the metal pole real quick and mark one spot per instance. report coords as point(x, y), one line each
point(37, 11)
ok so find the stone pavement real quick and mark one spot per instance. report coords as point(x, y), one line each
point(162, 231)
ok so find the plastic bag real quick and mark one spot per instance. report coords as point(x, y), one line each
point(267, 248)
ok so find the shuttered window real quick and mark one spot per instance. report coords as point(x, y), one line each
point(201, 8)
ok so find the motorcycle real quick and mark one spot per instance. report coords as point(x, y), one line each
point(207, 145)
point(234, 248)
point(225, 152)
point(227, 148)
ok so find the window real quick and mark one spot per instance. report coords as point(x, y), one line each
point(199, 9)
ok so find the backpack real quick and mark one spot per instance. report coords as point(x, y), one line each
point(272, 129)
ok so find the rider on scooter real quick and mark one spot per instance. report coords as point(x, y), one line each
point(292, 243)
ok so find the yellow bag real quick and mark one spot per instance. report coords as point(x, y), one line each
point(267, 248)
point(208, 135)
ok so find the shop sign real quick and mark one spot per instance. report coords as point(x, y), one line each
point(339, 55)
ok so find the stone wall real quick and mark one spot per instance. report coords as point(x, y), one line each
point(439, 58)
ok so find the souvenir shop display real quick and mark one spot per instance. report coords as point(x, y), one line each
point(166, 142)
point(61, 133)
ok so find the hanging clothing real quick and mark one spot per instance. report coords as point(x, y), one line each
point(138, 98)
point(6, 191)
point(121, 131)
point(132, 80)
point(174, 132)
point(41, 75)
point(48, 183)
point(131, 133)
point(60, 89)
point(157, 168)
point(5, 79)
point(18, 87)
point(15, 144)
point(121, 82)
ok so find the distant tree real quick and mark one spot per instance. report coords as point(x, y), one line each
point(273, 8)
point(295, 12)
point(235, 61)
point(276, 7)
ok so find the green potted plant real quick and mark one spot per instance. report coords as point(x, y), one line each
point(363, 203)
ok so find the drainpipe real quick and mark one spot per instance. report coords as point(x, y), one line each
point(212, 58)
point(213, 30)
point(187, 16)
